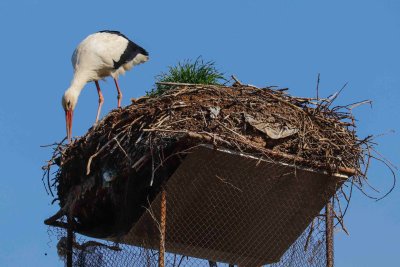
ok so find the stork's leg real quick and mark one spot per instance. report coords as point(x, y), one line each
point(119, 97)
point(101, 100)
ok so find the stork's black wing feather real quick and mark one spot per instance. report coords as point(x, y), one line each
point(131, 51)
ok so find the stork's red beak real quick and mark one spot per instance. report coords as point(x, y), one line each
point(68, 119)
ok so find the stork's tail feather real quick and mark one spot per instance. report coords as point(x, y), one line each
point(141, 58)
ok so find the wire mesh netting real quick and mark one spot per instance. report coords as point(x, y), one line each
point(308, 250)
point(223, 209)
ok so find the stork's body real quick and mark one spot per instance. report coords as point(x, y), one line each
point(102, 54)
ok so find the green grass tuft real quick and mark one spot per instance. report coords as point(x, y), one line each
point(188, 71)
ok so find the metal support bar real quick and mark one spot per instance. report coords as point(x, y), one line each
point(70, 239)
point(163, 222)
point(329, 234)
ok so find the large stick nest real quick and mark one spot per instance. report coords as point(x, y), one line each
point(140, 146)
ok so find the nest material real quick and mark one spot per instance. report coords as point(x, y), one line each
point(138, 147)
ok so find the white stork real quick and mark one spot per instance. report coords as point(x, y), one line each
point(102, 54)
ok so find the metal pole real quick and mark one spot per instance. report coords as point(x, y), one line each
point(70, 238)
point(163, 222)
point(329, 234)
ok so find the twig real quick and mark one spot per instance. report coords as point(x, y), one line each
point(340, 220)
point(318, 87)
point(181, 84)
point(236, 80)
point(123, 150)
point(91, 243)
point(228, 183)
point(333, 98)
point(309, 235)
point(98, 152)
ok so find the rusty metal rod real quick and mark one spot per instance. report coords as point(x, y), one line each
point(329, 234)
point(163, 221)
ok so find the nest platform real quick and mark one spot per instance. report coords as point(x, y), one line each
point(239, 164)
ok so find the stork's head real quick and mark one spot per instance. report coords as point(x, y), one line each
point(69, 100)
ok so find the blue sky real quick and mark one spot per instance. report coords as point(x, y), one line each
point(285, 43)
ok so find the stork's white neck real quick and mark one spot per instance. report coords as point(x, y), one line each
point(77, 84)
point(71, 95)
